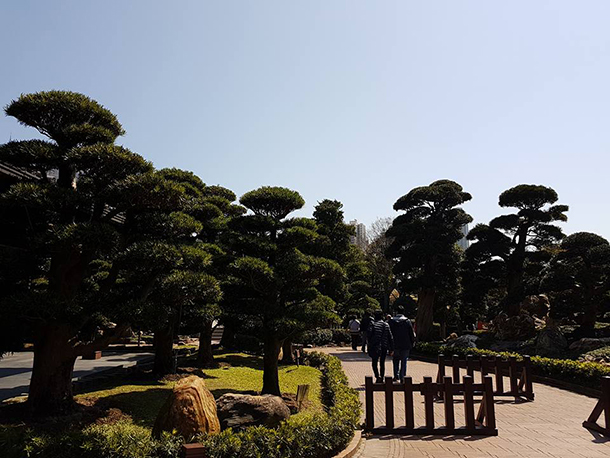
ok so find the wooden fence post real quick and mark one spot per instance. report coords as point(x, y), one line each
point(409, 416)
point(389, 403)
point(455, 363)
point(428, 392)
point(512, 374)
point(449, 411)
point(469, 403)
point(499, 374)
point(470, 365)
point(440, 377)
point(602, 406)
point(369, 409)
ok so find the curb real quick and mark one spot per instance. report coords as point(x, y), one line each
point(353, 447)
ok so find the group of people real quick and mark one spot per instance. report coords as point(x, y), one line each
point(393, 335)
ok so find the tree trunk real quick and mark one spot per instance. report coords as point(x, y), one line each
point(164, 354)
point(228, 334)
point(425, 313)
point(287, 356)
point(271, 381)
point(51, 382)
point(514, 288)
point(205, 357)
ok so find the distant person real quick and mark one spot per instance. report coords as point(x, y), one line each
point(404, 339)
point(364, 329)
point(380, 342)
point(354, 331)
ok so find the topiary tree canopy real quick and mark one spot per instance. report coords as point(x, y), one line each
point(93, 229)
point(578, 279)
point(515, 238)
point(424, 241)
point(274, 278)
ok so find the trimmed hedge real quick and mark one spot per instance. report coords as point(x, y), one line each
point(316, 435)
point(587, 374)
point(320, 336)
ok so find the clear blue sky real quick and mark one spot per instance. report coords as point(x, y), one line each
point(348, 100)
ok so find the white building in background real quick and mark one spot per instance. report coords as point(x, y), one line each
point(464, 243)
point(359, 238)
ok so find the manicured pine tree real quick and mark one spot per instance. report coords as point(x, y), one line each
point(578, 279)
point(273, 280)
point(424, 244)
point(59, 227)
point(517, 238)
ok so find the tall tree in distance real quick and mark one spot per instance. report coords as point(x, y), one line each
point(273, 279)
point(380, 265)
point(578, 279)
point(515, 238)
point(424, 243)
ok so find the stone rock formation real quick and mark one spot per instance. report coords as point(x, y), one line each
point(189, 410)
point(465, 341)
point(587, 344)
point(238, 411)
point(520, 327)
point(551, 342)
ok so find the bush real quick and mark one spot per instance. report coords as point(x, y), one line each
point(318, 435)
point(587, 374)
point(317, 337)
point(119, 440)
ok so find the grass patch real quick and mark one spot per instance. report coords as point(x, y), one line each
point(238, 373)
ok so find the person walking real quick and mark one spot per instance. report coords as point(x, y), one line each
point(354, 331)
point(364, 329)
point(404, 339)
point(380, 342)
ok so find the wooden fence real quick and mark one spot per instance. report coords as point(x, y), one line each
point(483, 424)
point(603, 405)
point(519, 373)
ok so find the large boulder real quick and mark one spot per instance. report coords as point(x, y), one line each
point(238, 411)
point(189, 410)
point(587, 344)
point(465, 341)
point(551, 342)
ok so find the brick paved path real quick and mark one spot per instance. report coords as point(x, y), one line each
point(548, 427)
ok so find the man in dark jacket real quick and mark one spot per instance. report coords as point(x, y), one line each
point(364, 329)
point(380, 342)
point(404, 339)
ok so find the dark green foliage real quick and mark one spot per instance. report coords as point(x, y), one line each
point(272, 201)
point(69, 118)
point(424, 244)
point(513, 245)
point(578, 279)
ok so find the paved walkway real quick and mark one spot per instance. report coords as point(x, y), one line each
point(548, 427)
point(16, 369)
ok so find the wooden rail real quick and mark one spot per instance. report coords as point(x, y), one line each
point(603, 405)
point(483, 424)
point(519, 373)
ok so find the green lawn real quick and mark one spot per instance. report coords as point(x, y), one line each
point(239, 372)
